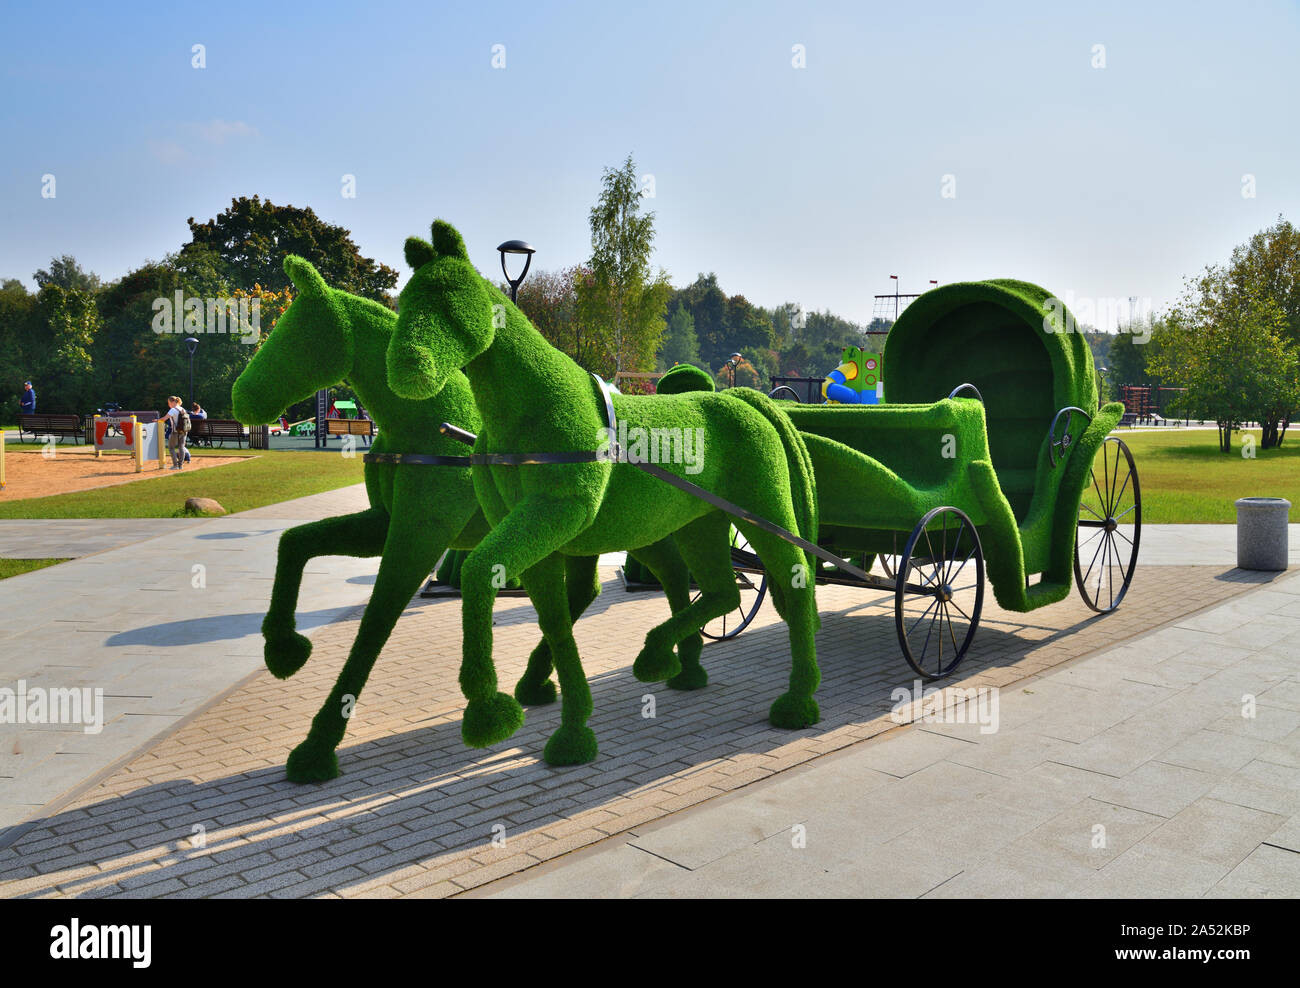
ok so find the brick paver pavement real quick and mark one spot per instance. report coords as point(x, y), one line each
point(207, 811)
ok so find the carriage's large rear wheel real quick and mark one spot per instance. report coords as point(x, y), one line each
point(1109, 529)
point(751, 581)
point(940, 592)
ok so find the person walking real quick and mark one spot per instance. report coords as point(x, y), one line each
point(27, 404)
point(364, 416)
point(179, 422)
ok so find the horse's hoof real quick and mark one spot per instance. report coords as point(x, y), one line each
point(794, 712)
point(571, 746)
point(312, 761)
point(488, 721)
point(655, 665)
point(690, 678)
point(286, 654)
point(532, 693)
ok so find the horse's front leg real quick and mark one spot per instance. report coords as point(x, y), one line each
point(573, 743)
point(414, 543)
point(582, 586)
point(534, 529)
point(360, 534)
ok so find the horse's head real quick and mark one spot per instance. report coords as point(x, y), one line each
point(444, 315)
point(310, 348)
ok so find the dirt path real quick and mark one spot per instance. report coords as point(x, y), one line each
point(30, 473)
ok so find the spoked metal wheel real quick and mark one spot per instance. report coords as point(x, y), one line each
point(940, 592)
point(1110, 528)
point(751, 581)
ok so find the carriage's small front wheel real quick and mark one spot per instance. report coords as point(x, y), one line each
point(940, 592)
point(751, 581)
point(1109, 529)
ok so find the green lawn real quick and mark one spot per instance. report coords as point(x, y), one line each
point(12, 567)
point(1186, 479)
point(266, 477)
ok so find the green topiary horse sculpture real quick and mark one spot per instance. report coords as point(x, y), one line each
point(327, 336)
point(532, 398)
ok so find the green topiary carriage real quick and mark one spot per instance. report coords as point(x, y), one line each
point(991, 443)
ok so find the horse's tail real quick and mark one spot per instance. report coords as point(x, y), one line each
point(803, 485)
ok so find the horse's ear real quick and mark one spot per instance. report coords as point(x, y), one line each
point(418, 253)
point(447, 241)
point(305, 278)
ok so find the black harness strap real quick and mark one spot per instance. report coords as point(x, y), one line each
point(735, 510)
point(613, 454)
point(416, 459)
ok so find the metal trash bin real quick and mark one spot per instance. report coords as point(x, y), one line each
point(1262, 533)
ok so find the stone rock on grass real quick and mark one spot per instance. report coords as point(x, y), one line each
point(203, 505)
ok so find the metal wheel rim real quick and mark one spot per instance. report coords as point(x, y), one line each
point(1108, 545)
point(732, 623)
point(940, 619)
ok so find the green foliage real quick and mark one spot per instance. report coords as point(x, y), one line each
point(620, 295)
point(680, 345)
point(1269, 264)
point(66, 272)
point(550, 300)
point(1227, 342)
point(1125, 359)
point(252, 237)
point(47, 338)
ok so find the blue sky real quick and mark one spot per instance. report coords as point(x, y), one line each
point(805, 184)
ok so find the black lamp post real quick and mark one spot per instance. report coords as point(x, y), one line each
point(193, 345)
point(516, 247)
point(732, 361)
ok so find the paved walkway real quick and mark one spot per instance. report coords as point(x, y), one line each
point(163, 614)
point(417, 814)
point(1167, 767)
point(196, 734)
point(70, 538)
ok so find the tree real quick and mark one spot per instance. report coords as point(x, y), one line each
point(16, 307)
point(707, 306)
point(550, 301)
point(55, 344)
point(252, 237)
point(1269, 265)
point(621, 294)
point(1227, 345)
point(66, 272)
point(748, 328)
point(1126, 361)
point(680, 345)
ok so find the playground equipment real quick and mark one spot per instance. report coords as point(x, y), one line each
point(858, 380)
point(144, 440)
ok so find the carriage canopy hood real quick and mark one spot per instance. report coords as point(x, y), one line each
point(1014, 341)
point(1018, 345)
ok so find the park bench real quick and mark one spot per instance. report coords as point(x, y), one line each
point(205, 432)
point(350, 427)
point(60, 425)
